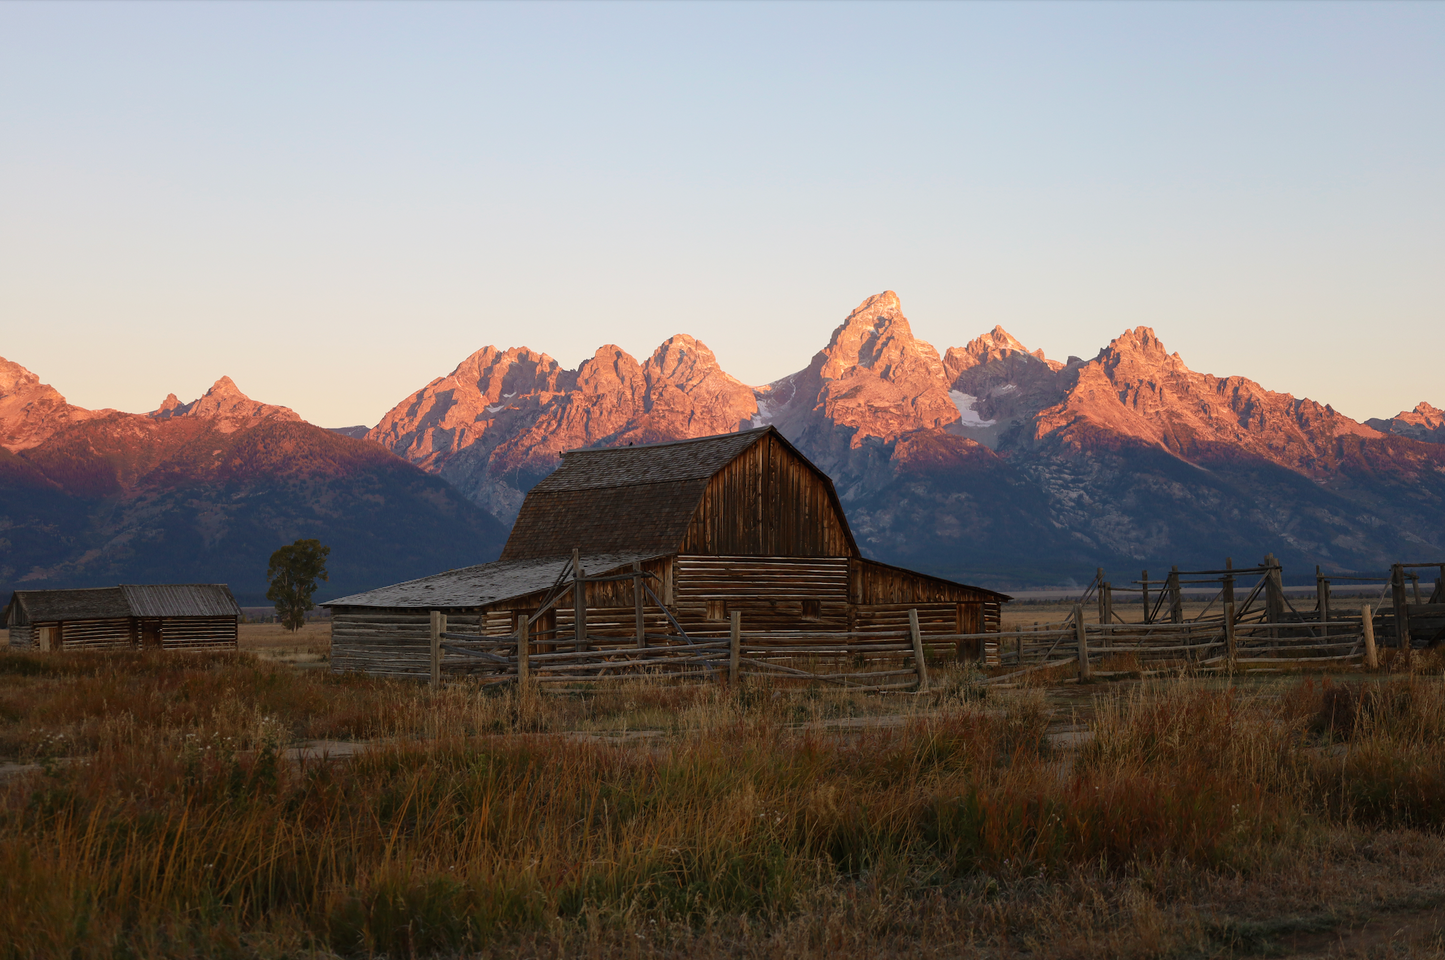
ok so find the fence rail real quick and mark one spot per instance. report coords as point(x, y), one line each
point(878, 660)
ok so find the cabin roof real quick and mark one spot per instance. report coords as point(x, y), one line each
point(483, 584)
point(180, 600)
point(126, 600)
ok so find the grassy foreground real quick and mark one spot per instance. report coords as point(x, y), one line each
point(165, 813)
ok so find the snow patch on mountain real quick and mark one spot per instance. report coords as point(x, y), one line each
point(968, 416)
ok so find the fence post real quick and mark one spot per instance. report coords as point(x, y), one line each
point(579, 602)
point(524, 649)
point(1367, 624)
point(1402, 614)
point(438, 627)
point(1231, 642)
point(1083, 634)
point(637, 605)
point(735, 647)
point(1144, 587)
point(1176, 597)
point(918, 650)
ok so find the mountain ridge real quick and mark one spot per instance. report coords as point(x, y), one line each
point(206, 491)
point(987, 462)
point(1127, 457)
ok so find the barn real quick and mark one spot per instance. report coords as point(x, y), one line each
point(182, 616)
point(740, 522)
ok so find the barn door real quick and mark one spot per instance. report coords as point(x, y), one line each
point(150, 634)
point(45, 638)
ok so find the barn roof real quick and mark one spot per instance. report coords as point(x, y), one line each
point(484, 583)
point(672, 462)
point(638, 498)
point(127, 600)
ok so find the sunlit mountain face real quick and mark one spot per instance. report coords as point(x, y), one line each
point(988, 462)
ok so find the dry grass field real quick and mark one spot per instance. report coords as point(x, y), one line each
point(251, 806)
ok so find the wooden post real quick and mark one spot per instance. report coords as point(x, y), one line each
point(1019, 644)
point(1176, 597)
point(524, 648)
point(579, 603)
point(1273, 594)
point(1103, 603)
point(1367, 625)
point(1082, 632)
point(1106, 615)
point(1231, 642)
point(735, 646)
point(918, 650)
point(438, 627)
point(1229, 580)
point(1402, 614)
point(1415, 579)
point(1144, 581)
point(637, 604)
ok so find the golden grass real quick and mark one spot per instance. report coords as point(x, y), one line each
point(1201, 818)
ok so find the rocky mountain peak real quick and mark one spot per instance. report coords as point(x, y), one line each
point(167, 408)
point(1136, 389)
point(1425, 423)
point(876, 336)
point(31, 411)
point(224, 402)
point(499, 375)
point(1140, 345)
point(1425, 415)
point(995, 346)
point(15, 379)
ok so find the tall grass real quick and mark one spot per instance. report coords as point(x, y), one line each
point(177, 825)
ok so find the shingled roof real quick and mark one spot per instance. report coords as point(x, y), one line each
point(636, 499)
point(482, 584)
point(127, 600)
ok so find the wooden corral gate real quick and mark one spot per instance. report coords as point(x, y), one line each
point(1400, 619)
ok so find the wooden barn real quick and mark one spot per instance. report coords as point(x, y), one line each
point(184, 616)
point(739, 522)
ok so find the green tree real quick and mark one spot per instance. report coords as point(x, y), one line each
point(293, 573)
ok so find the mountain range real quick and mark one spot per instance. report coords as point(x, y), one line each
point(989, 463)
point(205, 491)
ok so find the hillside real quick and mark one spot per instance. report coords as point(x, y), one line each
point(206, 491)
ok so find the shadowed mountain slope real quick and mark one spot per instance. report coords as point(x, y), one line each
point(206, 491)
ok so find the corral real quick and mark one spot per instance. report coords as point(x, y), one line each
point(190, 616)
point(654, 546)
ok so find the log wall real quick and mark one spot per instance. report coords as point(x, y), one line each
point(198, 633)
point(383, 643)
point(21, 638)
point(117, 634)
point(769, 592)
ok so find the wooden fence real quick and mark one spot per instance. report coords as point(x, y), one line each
point(897, 660)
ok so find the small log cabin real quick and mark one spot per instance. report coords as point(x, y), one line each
point(188, 616)
point(738, 522)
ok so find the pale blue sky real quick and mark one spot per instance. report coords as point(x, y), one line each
point(334, 203)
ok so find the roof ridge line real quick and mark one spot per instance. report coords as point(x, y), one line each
point(714, 438)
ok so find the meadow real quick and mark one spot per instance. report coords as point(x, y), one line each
point(254, 805)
